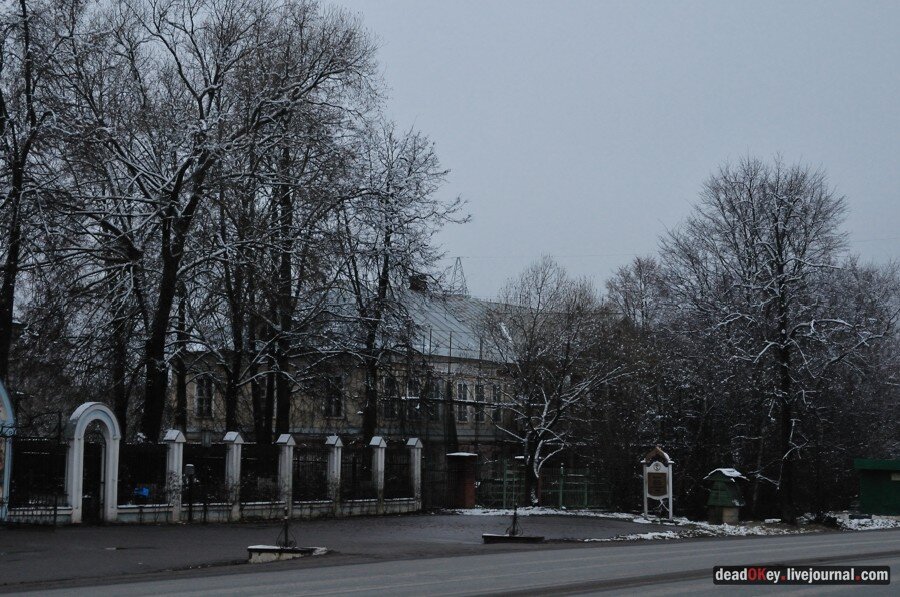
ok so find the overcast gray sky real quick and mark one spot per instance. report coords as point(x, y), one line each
point(584, 129)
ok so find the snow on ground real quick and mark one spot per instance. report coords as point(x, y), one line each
point(866, 524)
point(640, 537)
point(689, 528)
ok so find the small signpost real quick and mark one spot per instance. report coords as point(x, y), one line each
point(658, 479)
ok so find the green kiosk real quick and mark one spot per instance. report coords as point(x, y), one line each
point(879, 485)
point(725, 497)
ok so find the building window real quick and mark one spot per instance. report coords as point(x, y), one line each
point(495, 399)
point(391, 397)
point(435, 399)
point(204, 396)
point(462, 398)
point(334, 396)
point(479, 403)
point(413, 402)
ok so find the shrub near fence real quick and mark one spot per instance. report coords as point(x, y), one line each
point(310, 473)
point(356, 474)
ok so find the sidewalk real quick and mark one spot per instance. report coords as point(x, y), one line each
point(33, 555)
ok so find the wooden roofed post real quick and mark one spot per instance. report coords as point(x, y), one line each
point(657, 475)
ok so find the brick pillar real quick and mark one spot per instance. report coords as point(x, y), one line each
point(414, 445)
point(333, 471)
point(233, 471)
point(174, 439)
point(378, 446)
point(286, 470)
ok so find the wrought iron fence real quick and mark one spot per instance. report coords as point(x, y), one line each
point(259, 473)
point(208, 485)
point(310, 473)
point(438, 482)
point(37, 483)
point(559, 487)
point(397, 478)
point(142, 474)
point(356, 473)
point(504, 489)
point(563, 487)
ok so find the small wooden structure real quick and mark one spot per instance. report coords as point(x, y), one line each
point(879, 485)
point(725, 497)
point(658, 479)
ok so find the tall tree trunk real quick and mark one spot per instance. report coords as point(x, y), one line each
point(10, 273)
point(17, 162)
point(370, 400)
point(156, 381)
point(285, 300)
point(450, 437)
point(181, 402)
point(271, 379)
point(119, 372)
point(786, 484)
point(175, 228)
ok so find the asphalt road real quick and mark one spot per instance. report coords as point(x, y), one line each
point(650, 568)
point(40, 557)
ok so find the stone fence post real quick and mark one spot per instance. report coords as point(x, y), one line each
point(234, 442)
point(333, 471)
point(174, 465)
point(415, 468)
point(378, 446)
point(286, 470)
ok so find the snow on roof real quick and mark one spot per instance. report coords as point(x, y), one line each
point(728, 472)
point(657, 451)
point(461, 454)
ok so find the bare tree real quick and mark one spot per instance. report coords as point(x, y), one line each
point(28, 42)
point(387, 237)
point(545, 330)
point(752, 264)
point(164, 92)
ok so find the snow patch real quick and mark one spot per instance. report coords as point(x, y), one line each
point(866, 524)
point(728, 472)
point(640, 537)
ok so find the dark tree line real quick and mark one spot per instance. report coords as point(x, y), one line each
point(757, 341)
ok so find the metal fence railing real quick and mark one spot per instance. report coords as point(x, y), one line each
point(356, 473)
point(142, 474)
point(208, 485)
point(559, 487)
point(397, 477)
point(310, 473)
point(259, 473)
point(563, 487)
point(37, 484)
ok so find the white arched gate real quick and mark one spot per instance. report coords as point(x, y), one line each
point(83, 416)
